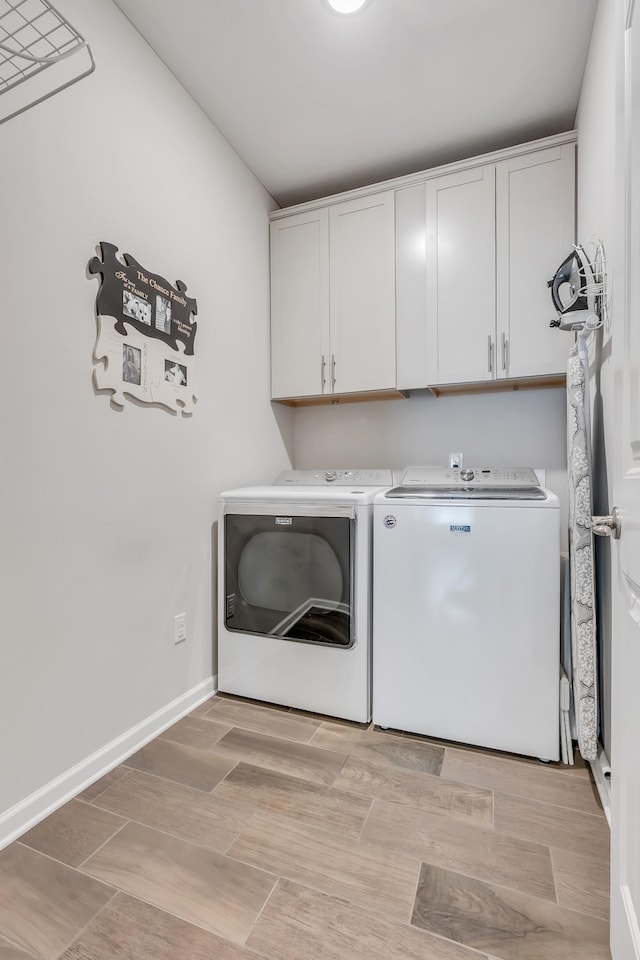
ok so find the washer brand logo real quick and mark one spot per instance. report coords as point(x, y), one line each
point(460, 528)
point(285, 521)
point(390, 522)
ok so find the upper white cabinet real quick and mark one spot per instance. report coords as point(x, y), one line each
point(460, 276)
point(440, 281)
point(494, 235)
point(535, 230)
point(333, 299)
point(299, 304)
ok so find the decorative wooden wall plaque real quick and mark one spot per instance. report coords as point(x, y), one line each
point(146, 334)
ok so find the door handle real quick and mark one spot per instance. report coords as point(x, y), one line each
point(610, 526)
point(333, 371)
point(490, 353)
point(323, 379)
point(505, 343)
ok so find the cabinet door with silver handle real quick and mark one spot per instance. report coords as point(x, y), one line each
point(607, 526)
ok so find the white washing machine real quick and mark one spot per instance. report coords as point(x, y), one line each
point(466, 609)
point(294, 588)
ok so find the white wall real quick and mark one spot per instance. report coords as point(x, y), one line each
point(107, 517)
point(596, 122)
point(519, 428)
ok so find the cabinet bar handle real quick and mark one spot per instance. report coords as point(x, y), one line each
point(504, 351)
point(490, 353)
point(333, 371)
point(323, 379)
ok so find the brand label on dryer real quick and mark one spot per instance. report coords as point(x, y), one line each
point(460, 528)
point(284, 521)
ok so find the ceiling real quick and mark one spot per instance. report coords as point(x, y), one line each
point(316, 103)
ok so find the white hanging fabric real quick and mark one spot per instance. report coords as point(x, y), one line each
point(581, 559)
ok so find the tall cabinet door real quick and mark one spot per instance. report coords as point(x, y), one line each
point(300, 354)
point(535, 223)
point(460, 256)
point(362, 258)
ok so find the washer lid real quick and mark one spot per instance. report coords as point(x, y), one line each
point(469, 483)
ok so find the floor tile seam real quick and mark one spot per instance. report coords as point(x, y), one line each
point(523, 797)
point(79, 796)
point(583, 914)
point(475, 952)
point(181, 743)
point(310, 885)
point(20, 842)
point(254, 762)
point(599, 817)
point(503, 832)
point(408, 859)
point(439, 811)
point(166, 833)
point(599, 813)
point(127, 820)
point(391, 919)
point(494, 883)
point(154, 776)
point(513, 766)
point(446, 782)
point(596, 860)
point(171, 913)
point(188, 843)
point(319, 786)
point(209, 792)
point(104, 906)
point(266, 733)
point(259, 914)
point(480, 955)
point(518, 836)
point(303, 820)
point(4, 936)
point(364, 822)
point(235, 723)
point(180, 783)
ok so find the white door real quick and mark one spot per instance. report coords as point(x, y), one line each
point(461, 295)
point(300, 304)
point(535, 231)
point(363, 298)
point(625, 697)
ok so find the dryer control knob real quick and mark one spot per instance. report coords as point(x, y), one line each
point(330, 476)
point(467, 474)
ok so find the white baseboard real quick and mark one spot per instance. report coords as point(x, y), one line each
point(38, 805)
point(602, 775)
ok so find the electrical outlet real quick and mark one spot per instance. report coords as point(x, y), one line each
point(455, 460)
point(180, 628)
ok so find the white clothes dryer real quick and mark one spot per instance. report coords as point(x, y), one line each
point(466, 609)
point(294, 588)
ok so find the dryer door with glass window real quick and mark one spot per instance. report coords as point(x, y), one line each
point(291, 576)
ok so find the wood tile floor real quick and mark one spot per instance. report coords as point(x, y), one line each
point(250, 832)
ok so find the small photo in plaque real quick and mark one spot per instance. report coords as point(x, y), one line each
point(175, 373)
point(136, 307)
point(131, 364)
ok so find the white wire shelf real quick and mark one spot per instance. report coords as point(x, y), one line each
point(41, 53)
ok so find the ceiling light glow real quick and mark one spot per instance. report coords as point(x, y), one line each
point(346, 6)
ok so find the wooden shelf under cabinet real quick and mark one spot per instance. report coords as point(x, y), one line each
point(500, 386)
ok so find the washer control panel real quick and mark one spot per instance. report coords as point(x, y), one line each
point(335, 478)
point(470, 477)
